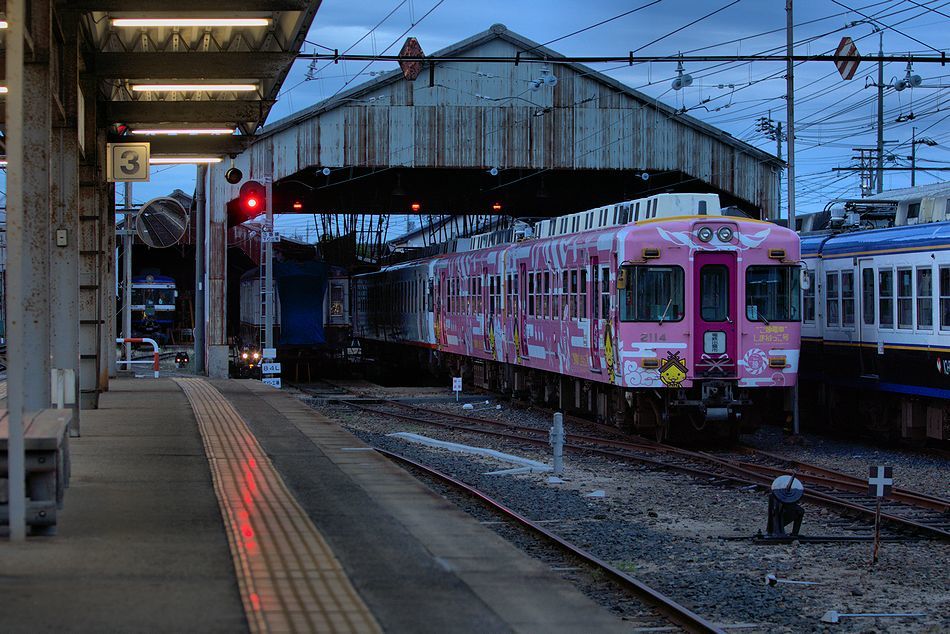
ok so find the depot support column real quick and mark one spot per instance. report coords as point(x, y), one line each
point(28, 217)
point(64, 253)
point(91, 287)
point(217, 297)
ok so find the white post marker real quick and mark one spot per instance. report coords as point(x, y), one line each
point(457, 386)
point(556, 439)
point(880, 481)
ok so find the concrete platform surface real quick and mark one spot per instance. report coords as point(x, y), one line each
point(142, 545)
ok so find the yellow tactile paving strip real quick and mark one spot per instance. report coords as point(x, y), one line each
point(289, 579)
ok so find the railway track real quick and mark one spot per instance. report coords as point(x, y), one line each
point(669, 609)
point(921, 513)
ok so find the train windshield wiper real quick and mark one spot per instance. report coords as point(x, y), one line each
point(759, 316)
point(666, 310)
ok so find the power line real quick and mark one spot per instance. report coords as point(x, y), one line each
point(841, 4)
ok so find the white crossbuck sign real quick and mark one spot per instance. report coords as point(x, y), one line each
point(880, 481)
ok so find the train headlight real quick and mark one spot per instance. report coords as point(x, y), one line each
point(244, 355)
point(705, 234)
point(257, 355)
point(725, 234)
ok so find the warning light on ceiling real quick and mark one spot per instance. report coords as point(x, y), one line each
point(298, 205)
point(496, 207)
point(415, 206)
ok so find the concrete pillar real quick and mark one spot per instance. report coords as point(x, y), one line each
point(90, 284)
point(201, 285)
point(107, 276)
point(64, 254)
point(217, 332)
point(27, 139)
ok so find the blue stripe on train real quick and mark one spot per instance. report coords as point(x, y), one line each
point(899, 388)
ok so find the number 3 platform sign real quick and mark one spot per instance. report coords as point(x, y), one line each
point(127, 162)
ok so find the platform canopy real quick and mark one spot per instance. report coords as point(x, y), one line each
point(464, 136)
point(186, 64)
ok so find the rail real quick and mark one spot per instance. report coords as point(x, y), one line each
point(155, 352)
point(673, 611)
point(913, 511)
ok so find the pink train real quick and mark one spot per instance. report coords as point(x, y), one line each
point(660, 313)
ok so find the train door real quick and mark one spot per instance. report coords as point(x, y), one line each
point(441, 304)
point(520, 337)
point(485, 312)
point(715, 290)
point(593, 301)
point(868, 329)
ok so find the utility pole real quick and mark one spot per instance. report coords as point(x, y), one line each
point(127, 239)
point(790, 118)
point(773, 130)
point(880, 113)
point(269, 299)
point(913, 156)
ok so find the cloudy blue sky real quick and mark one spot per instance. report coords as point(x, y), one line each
point(832, 115)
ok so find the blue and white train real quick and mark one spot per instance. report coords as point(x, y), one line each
point(876, 330)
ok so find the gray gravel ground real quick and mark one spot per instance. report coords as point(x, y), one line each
point(667, 529)
point(917, 470)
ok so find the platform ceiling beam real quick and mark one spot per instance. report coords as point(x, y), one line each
point(192, 144)
point(153, 6)
point(181, 112)
point(210, 66)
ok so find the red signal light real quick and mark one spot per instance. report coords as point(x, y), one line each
point(298, 205)
point(253, 197)
point(496, 207)
point(415, 206)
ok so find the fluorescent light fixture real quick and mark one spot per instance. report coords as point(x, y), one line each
point(4, 90)
point(185, 22)
point(184, 131)
point(184, 160)
point(194, 87)
point(4, 24)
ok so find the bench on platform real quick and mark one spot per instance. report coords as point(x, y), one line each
point(46, 443)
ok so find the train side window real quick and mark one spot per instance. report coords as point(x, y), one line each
point(594, 294)
point(905, 298)
point(572, 300)
point(547, 294)
point(530, 295)
point(867, 296)
point(701, 207)
point(847, 298)
point(945, 298)
point(831, 299)
point(925, 298)
point(605, 293)
point(886, 298)
point(808, 297)
point(913, 211)
point(636, 212)
point(478, 287)
point(582, 297)
point(565, 293)
point(539, 295)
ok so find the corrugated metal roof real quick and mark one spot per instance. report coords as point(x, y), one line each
point(912, 193)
